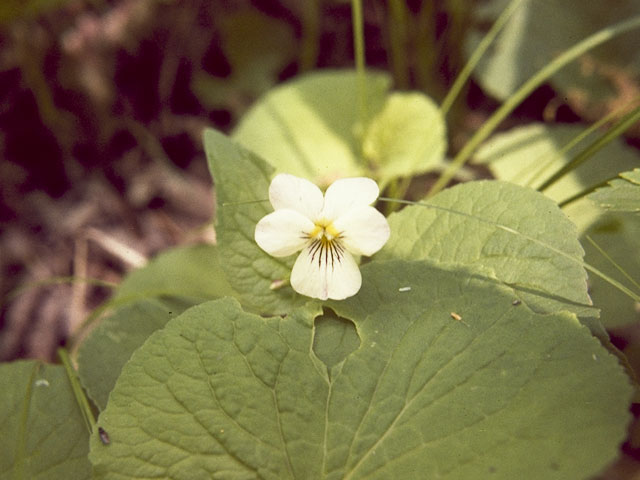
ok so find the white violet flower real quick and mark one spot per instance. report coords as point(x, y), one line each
point(329, 230)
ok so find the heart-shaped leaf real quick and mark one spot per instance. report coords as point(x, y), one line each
point(451, 380)
point(242, 183)
point(520, 236)
point(309, 127)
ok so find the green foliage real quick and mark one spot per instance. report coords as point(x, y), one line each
point(191, 272)
point(529, 155)
point(469, 351)
point(241, 176)
point(622, 195)
point(223, 391)
point(145, 301)
point(42, 433)
point(615, 234)
point(406, 138)
point(540, 29)
point(517, 235)
point(334, 338)
point(108, 347)
point(309, 127)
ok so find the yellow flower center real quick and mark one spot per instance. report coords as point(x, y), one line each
point(325, 246)
point(324, 229)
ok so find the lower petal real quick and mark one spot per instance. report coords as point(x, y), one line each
point(321, 276)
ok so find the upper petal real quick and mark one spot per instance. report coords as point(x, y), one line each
point(347, 193)
point(363, 230)
point(318, 275)
point(282, 232)
point(295, 193)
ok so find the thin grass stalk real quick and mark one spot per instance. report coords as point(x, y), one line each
point(618, 129)
point(529, 86)
point(358, 42)
point(398, 42)
point(78, 392)
point(477, 54)
point(576, 140)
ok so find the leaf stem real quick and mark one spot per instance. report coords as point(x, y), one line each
point(618, 129)
point(529, 86)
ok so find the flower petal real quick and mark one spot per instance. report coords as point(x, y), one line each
point(347, 193)
point(294, 193)
point(319, 277)
point(282, 232)
point(363, 230)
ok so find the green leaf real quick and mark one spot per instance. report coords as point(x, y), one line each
point(518, 235)
point(43, 435)
point(406, 138)
point(618, 235)
point(145, 301)
point(190, 272)
point(242, 184)
point(531, 154)
point(622, 195)
point(334, 338)
point(227, 393)
point(309, 126)
point(102, 355)
point(532, 38)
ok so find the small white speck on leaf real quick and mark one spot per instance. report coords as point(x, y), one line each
point(404, 289)
point(458, 318)
point(594, 356)
point(42, 383)
point(277, 284)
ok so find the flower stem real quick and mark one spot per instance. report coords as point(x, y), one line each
point(529, 86)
